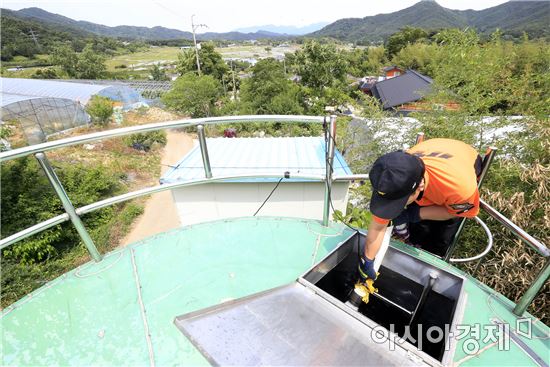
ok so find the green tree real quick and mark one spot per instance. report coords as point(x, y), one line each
point(64, 56)
point(320, 65)
point(88, 64)
point(417, 56)
point(100, 108)
point(376, 60)
point(357, 60)
point(211, 62)
point(268, 90)
point(480, 76)
point(193, 94)
point(157, 73)
point(91, 64)
point(404, 37)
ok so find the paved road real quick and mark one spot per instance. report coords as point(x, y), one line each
point(160, 212)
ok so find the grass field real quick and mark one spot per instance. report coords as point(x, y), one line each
point(140, 62)
point(170, 54)
point(154, 54)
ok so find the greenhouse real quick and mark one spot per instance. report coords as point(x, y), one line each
point(45, 107)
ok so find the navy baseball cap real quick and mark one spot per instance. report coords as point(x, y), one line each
point(394, 177)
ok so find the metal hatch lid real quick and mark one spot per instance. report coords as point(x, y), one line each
point(289, 325)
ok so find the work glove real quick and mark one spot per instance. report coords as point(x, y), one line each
point(366, 269)
point(411, 214)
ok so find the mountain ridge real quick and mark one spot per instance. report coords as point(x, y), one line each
point(131, 32)
point(512, 17)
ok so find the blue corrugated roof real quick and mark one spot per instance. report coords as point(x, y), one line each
point(230, 156)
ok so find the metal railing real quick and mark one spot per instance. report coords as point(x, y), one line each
point(486, 163)
point(74, 214)
point(484, 252)
point(538, 246)
point(532, 242)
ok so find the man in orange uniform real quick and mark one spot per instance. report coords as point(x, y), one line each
point(428, 187)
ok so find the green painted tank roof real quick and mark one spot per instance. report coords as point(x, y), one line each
point(120, 311)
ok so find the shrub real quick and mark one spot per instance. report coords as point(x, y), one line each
point(100, 109)
point(145, 141)
point(27, 199)
point(45, 74)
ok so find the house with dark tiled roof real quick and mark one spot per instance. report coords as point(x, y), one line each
point(405, 93)
point(408, 87)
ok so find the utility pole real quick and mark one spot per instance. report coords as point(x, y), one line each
point(33, 36)
point(194, 28)
point(234, 86)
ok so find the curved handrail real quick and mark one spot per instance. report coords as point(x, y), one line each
point(5, 242)
point(39, 150)
point(75, 140)
point(487, 249)
point(524, 236)
point(37, 228)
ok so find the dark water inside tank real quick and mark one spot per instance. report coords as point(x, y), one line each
point(437, 311)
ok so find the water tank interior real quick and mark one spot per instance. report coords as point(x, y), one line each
point(401, 283)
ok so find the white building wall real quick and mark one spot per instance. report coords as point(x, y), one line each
point(213, 201)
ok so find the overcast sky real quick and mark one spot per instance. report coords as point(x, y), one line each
point(226, 15)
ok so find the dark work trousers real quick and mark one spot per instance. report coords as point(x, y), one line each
point(434, 236)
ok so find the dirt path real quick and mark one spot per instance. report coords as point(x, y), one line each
point(160, 212)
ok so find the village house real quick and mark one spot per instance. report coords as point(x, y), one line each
point(402, 91)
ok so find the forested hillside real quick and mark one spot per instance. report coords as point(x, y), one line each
point(513, 18)
point(17, 36)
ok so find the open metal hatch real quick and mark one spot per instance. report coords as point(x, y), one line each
point(308, 323)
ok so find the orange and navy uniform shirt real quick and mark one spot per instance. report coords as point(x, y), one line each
point(450, 179)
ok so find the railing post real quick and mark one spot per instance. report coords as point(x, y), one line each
point(532, 291)
point(68, 206)
point(328, 165)
point(204, 152)
point(487, 160)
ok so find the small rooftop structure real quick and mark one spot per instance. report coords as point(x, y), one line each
point(297, 155)
point(271, 156)
point(392, 71)
point(409, 87)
